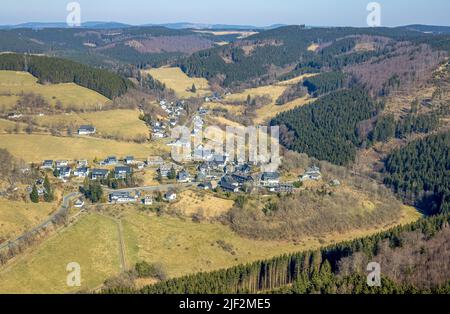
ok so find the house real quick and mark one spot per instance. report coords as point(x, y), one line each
point(183, 177)
point(170, 196)
point(61, 163)
point(205, 186)
point(78, 203)
point(270, 179)
point(121, 197)
point(242, 178)
point(122, 172)
point(158, 135)
point(164, 170)
point(110, 161)
point(148, 200)
point(154, 161)
point(99, 174)
point(282, 188)
point(243, 168)
point(64, 172)
point(227, 183)
point(47, 164)
point(129, 160)
point(82, 163)
point(140, 165)
point(81, 172)
point(312, 173)
point(86, 130)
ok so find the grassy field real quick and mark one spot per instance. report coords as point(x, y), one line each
point(8, 101)
point(69, 94)
point(16, 217)
point(175, 79)
point(270, 111)
point(183, 247)
point(35, 148)
point(196, 202)
point(92, 242)
point(178, 244)
point(121, 123)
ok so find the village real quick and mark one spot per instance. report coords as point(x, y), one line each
point(205, 171)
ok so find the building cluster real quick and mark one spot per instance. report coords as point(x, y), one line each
point(64, 169)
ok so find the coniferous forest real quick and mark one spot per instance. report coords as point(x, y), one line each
point(56, 70)
point(327, 128)
point(420, 171)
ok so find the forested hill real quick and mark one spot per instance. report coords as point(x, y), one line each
point(420, 172)
point(56, 70)
point(272, 53)
point(327, 128)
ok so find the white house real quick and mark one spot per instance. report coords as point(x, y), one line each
point(86, 130)
point(170, 196)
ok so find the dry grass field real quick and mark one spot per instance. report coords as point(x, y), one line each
point(69, 94)
point(178, 244)
point(35, 148)
point(175, 79)
point(202, 203)
point(17, 217)
point(267, 112)
point(92, 242)
point(121, 123)
point(7, 102)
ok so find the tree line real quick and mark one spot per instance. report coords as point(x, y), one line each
point(56, 70)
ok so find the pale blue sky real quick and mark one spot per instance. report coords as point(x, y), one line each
point(254, 12)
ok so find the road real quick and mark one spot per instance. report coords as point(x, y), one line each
point(62, 210)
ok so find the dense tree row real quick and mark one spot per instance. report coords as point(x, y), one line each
point(420, 172)
point(387, 127)
point(309, 272)
point(326, 129)
point(56, 70)
point(324, 83)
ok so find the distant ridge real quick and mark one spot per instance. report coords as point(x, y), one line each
point(112, 25)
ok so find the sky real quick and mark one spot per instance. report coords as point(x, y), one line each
point(246, 12)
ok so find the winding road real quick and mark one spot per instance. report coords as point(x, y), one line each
point(62, 210)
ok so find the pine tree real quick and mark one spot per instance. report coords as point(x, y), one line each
point(34, 195)
point(48, 194)
point(193, 88)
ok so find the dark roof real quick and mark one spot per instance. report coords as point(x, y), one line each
point(122, 169)
point(270, 176)
point(99, 171)
point(87, 127)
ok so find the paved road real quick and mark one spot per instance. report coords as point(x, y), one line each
point(62, 210)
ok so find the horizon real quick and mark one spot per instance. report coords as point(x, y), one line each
point(321, 13)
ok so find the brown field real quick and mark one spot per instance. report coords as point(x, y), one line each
point(199, 202)
point(69, 94)
point(121, 123)
point(176, 80)
point(35, 148)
